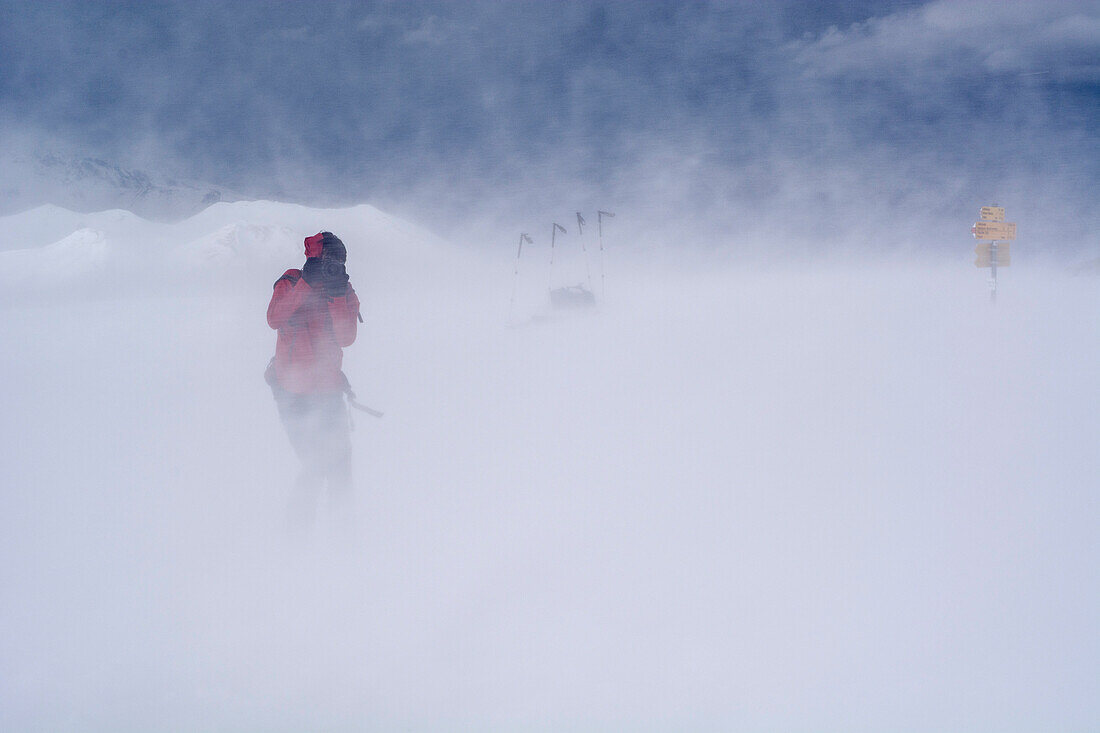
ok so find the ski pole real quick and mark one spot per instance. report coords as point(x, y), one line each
point(515, 274)
point(599, 230)
point(351, 399)
point(553, 235)
point(587, 269)
point(364, 408)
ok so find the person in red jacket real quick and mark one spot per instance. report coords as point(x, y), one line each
point(315, 311)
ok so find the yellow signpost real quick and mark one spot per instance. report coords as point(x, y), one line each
point(994, 229)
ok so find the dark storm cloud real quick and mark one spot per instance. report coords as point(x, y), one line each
point(841, 110)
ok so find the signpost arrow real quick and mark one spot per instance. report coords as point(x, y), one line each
point(992, 213)
point(994, 230)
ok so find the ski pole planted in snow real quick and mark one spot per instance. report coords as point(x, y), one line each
point(599, 224)
point(587, 269)
point(553, 236)
point(515, 275)
point(599, 231)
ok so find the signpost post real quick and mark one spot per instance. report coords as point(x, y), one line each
point(993, 228)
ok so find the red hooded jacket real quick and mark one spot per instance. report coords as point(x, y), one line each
point(313, 329)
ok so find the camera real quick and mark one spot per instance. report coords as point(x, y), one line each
point(332, 269)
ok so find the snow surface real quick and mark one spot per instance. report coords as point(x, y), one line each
point(821, 497)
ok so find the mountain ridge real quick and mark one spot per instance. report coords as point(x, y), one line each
point(49, 248)
point(87, 184)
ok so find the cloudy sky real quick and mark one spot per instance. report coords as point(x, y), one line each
point(842, 112)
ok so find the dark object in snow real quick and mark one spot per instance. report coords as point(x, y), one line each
point(574, 296)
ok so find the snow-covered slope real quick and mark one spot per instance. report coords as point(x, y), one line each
point(49, 223)
point(30, 179)
point(48, 249)
point(86, 252)
point(810, 498)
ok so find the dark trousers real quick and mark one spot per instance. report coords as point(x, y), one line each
point(320, 433)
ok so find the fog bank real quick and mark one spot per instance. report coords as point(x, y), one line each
point(838, 498)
